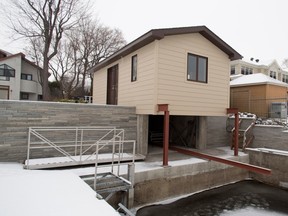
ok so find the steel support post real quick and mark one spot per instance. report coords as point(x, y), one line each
point(236, 131)
point(164, 107)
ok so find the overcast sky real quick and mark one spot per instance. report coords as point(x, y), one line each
point(254, 28)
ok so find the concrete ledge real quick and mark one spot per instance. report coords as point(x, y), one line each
point(275, 160)
point(172, 181)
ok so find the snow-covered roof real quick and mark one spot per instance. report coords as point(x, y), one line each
point(256, 79)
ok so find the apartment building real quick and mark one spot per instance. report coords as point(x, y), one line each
point(19, 78)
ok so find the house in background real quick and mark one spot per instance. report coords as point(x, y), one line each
point(259, 94)
point(269, 68)
point(184, 71)
point(19, 78)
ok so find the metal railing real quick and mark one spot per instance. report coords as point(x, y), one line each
point(247, 141)
point(78, 144)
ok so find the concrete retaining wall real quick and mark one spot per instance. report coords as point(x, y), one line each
point(160, 184)
point(17, 116)
point(278, 163)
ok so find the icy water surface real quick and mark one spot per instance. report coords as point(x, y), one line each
point(249, 198)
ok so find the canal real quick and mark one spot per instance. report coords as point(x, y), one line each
point(249, 198)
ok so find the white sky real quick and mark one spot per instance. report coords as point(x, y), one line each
point(254, 28)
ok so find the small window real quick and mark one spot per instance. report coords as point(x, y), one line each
point(197, 68)
point(24, 96)
point(134, 68)
point(246, 70)
point(26, 76)
point(233, 70)
point(273, 74)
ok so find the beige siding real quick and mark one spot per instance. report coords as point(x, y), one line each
point(140, 93)
point(161, 78)
point(187, 97)
point(99, 86)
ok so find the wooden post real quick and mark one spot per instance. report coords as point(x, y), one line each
point(164, 107)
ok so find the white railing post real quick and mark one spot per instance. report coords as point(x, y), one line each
point(28, 148)
point(96, 166)
point(76, 140)
point(81, 145)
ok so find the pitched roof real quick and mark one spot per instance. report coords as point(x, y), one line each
point(255, 79)
point(23, 58)
point(158, 34)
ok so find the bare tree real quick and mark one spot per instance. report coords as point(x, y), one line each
point(90, 43)
point(95, 42)
point(44, 22)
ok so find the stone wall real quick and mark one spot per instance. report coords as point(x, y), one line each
point(17, 116)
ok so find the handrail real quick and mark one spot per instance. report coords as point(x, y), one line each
point(244, 134)
point(80, 140)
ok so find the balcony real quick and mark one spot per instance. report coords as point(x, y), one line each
point(30, 86)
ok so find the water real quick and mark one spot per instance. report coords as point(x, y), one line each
point(249, 198)
point(252, 211)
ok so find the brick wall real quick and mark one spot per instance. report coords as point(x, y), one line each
point(17, 116)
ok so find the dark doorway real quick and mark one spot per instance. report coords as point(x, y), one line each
point(156, 123)
point(183, 130)
point(112, 85)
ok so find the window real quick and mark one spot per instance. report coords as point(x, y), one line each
point(273, 74)
point(24, 96)
point(246, 70)
point(26, 76)
point(285, 78)
point(134, 68)
point(7, 71)
point(232, 71)
point(197, 69)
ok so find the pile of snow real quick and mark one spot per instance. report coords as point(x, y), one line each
point(262, 121)
point(272, 122)
point(47, 193)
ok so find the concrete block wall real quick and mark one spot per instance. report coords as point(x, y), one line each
point(17, 116)
point(273, 137)
point(216, 132)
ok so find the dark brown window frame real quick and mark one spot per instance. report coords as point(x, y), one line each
point(7, 71)
point(25, 76)
point(134, 73)
point(197, 68)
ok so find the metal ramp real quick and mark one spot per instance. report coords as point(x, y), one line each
point(105, 147)
point(52, 147)
point(58, 162)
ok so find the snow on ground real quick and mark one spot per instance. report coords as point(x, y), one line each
point(62, 192)
point(47, 193)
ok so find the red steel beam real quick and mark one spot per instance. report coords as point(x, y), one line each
point(236, 131)
point(164, 107)
point(241, 165)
